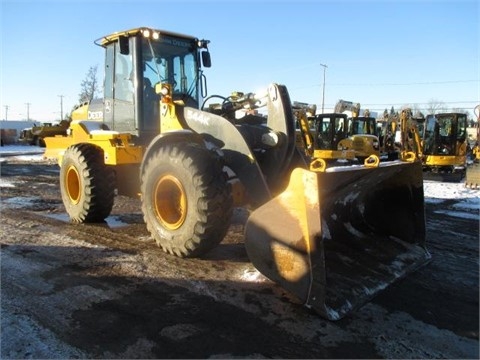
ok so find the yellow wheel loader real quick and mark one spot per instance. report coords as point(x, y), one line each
point(88, 110)
point(334, 237)
point(36, 134)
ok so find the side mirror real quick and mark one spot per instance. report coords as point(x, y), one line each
point(124, 47)
point(206, 60)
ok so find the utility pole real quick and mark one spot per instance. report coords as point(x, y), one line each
point(28, 111)
point(6, 112)
point(323, 92)
point(61, 107)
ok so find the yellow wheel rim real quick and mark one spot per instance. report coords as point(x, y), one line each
point(170, 202)
point(72, 181)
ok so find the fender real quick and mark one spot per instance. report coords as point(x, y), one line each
point(238, 155)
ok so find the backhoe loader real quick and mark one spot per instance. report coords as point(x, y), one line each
point(472, 177)
point(333, 237)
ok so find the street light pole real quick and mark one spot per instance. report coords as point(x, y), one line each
point(28, 111)
point(61, 107)
point(323, 92)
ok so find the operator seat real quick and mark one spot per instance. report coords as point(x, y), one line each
point(150, 106)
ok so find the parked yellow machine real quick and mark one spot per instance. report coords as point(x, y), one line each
point(361, 131)
point(319, 135)
point(387, 129)
point(439, 141)
point(334, 237)
point(445, 143)
point(472, 177)
point(36, 134)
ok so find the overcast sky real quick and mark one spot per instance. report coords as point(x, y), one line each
point(378, 53)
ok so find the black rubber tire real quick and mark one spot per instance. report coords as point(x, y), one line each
point(87, 184)
point(195, 215)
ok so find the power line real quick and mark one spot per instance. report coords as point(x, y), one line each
point(414, 103)
point(424, 103)
point(394, 84)
point(409, 83)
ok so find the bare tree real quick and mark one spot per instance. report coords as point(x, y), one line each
point(435, 106)
point(89, 85)
point(416, 109)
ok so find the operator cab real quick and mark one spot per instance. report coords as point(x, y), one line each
point(330, 129)
point(363, 125)
point(137, 60)
point(444, 133)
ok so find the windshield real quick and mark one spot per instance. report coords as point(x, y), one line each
point(462, 127)
point(452, 125)
point(442, 132)
point(329, 135)
point(174, 61)
point(361, 126)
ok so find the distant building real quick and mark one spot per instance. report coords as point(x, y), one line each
point(10, 130)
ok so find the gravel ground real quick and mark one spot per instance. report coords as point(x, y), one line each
point(106, 291)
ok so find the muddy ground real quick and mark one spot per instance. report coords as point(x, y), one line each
point(107, 291)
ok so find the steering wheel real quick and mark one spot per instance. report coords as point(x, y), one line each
point(213, 97)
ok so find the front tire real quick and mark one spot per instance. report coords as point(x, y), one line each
point(187, 202)
point(87, 184)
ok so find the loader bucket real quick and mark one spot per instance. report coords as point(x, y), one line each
point(337, 238)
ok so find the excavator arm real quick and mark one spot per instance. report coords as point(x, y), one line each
point(411, 141)
point(343, 105)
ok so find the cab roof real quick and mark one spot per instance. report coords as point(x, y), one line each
point(146, 31)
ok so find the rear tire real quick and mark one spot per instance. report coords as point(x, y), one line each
point(87, 184)
point(187, 202)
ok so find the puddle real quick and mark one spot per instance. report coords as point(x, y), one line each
point(40, 205)
point(112, 222)
point(20, 202)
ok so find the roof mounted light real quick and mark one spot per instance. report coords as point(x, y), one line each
point(203, 43)
point(147, 33)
